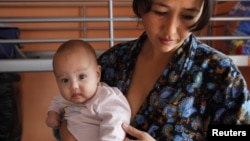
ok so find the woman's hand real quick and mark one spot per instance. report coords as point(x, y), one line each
point(64, 133)
point(140, 135)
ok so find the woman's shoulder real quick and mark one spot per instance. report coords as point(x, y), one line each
point(211, 55)
point(117, 54)
point(123, 49)
point(210, 51)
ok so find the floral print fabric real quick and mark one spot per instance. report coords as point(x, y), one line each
point(199, 86)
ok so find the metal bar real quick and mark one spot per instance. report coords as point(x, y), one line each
point(60, 0)
point(30, 65)
point(230, 19)
point(60, 40)
point(64, 19)
point(25, 65)
point(43, 65)
point(82, 0)
point(223, 37)
point(232, 0)
point(66, 4)
point(111, 24)
point(79, 29)
point(98, 19)
point(47, 54)
point(115, 39)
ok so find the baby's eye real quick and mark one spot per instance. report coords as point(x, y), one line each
point(82, 76)
point(65, 80)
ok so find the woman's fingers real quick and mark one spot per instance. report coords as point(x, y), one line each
point(131, 130)
point(140, 135)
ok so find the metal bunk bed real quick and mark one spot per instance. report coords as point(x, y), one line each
point(29, 64)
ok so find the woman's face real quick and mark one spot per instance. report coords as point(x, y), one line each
point(167, 23)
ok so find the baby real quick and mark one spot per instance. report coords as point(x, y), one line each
point(93, 110)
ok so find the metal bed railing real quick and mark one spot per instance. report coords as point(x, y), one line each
point(43, 63)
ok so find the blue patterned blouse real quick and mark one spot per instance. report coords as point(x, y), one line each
point(199, 86)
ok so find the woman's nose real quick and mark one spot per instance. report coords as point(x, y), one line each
point(171, 24)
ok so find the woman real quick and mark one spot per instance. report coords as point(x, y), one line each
point(175, 84)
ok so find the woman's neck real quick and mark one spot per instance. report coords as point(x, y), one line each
point(155, 55)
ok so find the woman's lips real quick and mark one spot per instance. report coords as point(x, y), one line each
point(166, 41)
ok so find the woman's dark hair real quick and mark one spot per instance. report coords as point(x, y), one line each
point(141, 7)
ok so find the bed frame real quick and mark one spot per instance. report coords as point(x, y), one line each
point(39, 61)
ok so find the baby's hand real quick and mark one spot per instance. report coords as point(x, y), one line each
point(53, 120)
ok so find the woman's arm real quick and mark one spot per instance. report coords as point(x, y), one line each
point(65, 135)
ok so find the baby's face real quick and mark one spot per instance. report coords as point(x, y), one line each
point(77, 76)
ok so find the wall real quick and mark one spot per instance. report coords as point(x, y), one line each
point(38, 88)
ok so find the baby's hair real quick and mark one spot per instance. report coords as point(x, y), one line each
point(74, 44)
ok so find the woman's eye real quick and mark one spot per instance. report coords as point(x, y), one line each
point(82, 76)
point(64, 80)
point(160, 13)
point(188, 17)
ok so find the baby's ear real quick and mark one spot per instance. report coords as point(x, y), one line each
point(99, 72)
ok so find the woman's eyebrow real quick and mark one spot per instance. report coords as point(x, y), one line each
point(160, 4)
point(192, 10)
point(187, 9)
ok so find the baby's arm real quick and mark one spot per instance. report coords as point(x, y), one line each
point(53, 119)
